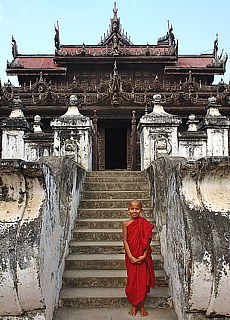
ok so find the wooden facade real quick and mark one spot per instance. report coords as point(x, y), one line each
point(115, 81)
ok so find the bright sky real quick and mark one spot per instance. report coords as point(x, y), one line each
point(31, 22)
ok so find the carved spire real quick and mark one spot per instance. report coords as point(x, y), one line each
point(115, 85)
point(115, 36)
point(57, 36)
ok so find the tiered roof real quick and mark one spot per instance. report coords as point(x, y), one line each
point(116, 44)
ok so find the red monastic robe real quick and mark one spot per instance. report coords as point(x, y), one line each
point(140, 277)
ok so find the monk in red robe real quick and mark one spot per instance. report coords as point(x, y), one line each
point(137, 235)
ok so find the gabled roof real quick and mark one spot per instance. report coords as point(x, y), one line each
point(117, 43)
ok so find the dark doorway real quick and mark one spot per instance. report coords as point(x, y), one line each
point(115, 148)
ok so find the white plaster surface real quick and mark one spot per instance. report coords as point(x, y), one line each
point(192, 204)
point(31, 273)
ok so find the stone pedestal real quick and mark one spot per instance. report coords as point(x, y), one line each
point(73, 134)
point(13, 132)
point(38, 144)
point(192, 143)
point(158, 134)
point(216, 127)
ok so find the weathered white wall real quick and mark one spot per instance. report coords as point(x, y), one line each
point(192, 207)
point(158, 134)
point(73, 135)
point(38, 207)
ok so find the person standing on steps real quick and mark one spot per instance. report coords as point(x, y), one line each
point(137, 235)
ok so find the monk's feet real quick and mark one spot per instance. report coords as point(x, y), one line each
point(143, 312)
point(133, 311)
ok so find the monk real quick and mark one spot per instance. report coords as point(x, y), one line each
point(137, 235)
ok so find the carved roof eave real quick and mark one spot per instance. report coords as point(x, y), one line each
point(30, 71)
point(195, 70)
point(108, 59)
point(96, 51)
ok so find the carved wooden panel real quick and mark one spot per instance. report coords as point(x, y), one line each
point(101, 148)
point(129, 149)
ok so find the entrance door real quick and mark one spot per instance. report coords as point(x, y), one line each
point(115, 148)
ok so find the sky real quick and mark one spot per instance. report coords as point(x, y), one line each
point(31, 22)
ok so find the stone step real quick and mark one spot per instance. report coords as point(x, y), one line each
point(104, 278)
point(117, 178)
point(116, 173)
point(109, 185)
point(107, 213)
point(110, 297)
point(102, 234)
point(98, 247)
point(112, 314)
point(104, 261)
point(95, 195)
point(108, 203)
point(101, 223)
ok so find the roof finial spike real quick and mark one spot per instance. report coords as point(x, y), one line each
point(115, 11)
point(115, 7)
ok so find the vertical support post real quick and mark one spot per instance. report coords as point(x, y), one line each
point(95, 142)
point(134, 142)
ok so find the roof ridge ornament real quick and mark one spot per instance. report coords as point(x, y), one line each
point(57, 36)
point(14, 47)
point(215, 47)
point(218, 60)
point(169, 38)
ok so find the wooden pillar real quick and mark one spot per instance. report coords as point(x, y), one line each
point(134, 143)
point(95, 142)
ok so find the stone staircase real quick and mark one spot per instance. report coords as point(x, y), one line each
point(95, 274)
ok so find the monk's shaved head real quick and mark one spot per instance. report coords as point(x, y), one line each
point(135, 201)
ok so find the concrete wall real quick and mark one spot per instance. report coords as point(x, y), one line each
point(38, 207)
point(192, 207)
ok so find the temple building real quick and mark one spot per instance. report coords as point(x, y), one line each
point(89, 129)
point(115, 82)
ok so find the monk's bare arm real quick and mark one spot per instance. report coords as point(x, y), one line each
point(143, 257)
point(126, 245)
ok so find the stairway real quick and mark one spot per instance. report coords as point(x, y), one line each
point(95, 272)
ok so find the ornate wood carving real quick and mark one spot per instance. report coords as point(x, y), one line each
point(134, 143)
point(101, 148)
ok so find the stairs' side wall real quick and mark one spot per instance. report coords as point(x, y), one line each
point(192, 205)
point(38, 205)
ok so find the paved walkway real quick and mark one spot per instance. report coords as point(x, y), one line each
point(113, 314)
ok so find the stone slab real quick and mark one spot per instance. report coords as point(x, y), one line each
point(106, 213)
point(112, 314)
